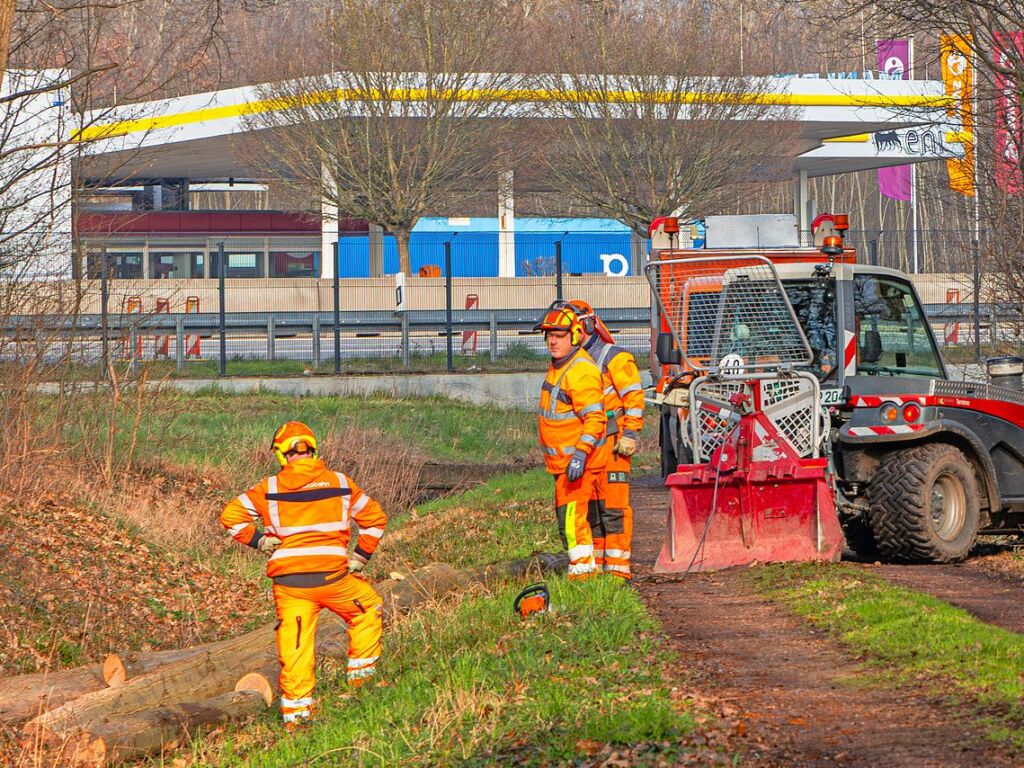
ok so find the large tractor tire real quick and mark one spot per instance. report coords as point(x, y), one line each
point(861, 539)
point(669, 459)
point(925, 505)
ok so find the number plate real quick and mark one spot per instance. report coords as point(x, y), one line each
point(833, 396)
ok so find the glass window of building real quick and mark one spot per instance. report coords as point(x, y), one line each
point(173, 264)
point(239, 264)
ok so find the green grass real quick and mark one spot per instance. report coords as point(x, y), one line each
point(472, 684)
point(508, 517)
point(912, 638)
point(213, 429)
point(516, 357)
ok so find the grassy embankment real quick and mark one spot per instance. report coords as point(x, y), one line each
point(515, 357)
point(464, 680)
point(909, 638)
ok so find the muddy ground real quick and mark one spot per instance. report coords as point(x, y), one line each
point(793, 696)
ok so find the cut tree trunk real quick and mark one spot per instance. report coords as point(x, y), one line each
point(144, 733)
point(211, 672)
point(26, 696)
point(118, 668)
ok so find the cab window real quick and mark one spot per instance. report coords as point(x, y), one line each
point(814, 303)
point(893, 335)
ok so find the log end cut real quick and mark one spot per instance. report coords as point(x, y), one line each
point(255, 681)
point(114, 671)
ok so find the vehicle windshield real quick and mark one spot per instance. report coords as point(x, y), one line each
point(893, 336)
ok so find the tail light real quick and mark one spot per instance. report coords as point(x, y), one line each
point(889, 413)
point(911, 412)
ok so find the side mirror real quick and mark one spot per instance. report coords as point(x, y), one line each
point(666, 350)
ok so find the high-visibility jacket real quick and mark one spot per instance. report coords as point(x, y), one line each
point(571, 416)
point(309, 508)
point(623, 390)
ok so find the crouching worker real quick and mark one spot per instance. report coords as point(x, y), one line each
point(571, 421)
point(300, 518)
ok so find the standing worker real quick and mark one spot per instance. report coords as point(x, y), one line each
point(304, 512)
point(571, 422)
point(611, 516)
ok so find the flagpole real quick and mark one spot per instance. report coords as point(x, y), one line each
point(913, 173)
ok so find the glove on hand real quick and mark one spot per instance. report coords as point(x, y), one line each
point(576, 464)
point(268, 544)
point(626, 446)
point(355, 563)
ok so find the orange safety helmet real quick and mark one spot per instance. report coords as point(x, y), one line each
point(292, 436)
point(562, 318)
point(590, 321)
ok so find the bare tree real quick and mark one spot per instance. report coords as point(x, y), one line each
point(643, 128)
point(408, 125)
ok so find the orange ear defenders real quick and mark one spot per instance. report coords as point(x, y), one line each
point(534, 599)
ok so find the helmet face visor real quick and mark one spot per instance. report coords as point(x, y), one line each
point(293, 437)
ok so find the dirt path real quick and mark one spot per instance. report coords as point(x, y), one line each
point(795, 697)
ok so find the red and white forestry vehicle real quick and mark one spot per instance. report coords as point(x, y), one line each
point(804, 402)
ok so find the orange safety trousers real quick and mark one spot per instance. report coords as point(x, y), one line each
point(571, 503)
point(611, 517)
point(298, 611)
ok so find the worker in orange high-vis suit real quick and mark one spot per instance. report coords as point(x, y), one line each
point(571, 422)
point(300, 517)
point(610, 513)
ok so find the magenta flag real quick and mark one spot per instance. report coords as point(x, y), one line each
point(1009, 122)
point(894, 63)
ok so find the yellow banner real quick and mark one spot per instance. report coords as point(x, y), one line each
point(958, 77)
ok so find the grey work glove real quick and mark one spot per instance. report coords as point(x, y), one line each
point(268, 544)
point(355, 563)
point(576, 466)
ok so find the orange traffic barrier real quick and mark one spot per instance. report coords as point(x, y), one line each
point(951, 330)
point(132, 305)
point(193, 345)
point(469, 337)
point(162, 342)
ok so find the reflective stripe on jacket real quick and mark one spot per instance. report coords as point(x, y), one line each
point(623, 390)
point(571, 415)
point(309, 508)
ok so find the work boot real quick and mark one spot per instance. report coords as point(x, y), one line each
point(298, 724)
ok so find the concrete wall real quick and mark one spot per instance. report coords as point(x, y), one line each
point(518, 391)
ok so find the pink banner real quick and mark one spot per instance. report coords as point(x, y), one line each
point(1009, 121)
point(894, 62)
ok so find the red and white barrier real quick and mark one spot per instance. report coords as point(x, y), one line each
point(469, 338)
point(951, 330)
point(132, 305)
point(162, 342)
point(193, 344)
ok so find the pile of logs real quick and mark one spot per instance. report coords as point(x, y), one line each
point(137, 704)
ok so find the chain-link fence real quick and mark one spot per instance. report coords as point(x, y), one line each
point(254, 305)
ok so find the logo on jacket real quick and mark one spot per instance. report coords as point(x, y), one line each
point(318, 484)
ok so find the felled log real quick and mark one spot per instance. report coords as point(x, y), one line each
point(25, 696)
point(144, 733)
point(118, 668)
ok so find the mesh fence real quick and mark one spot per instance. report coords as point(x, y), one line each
point(167, 304)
